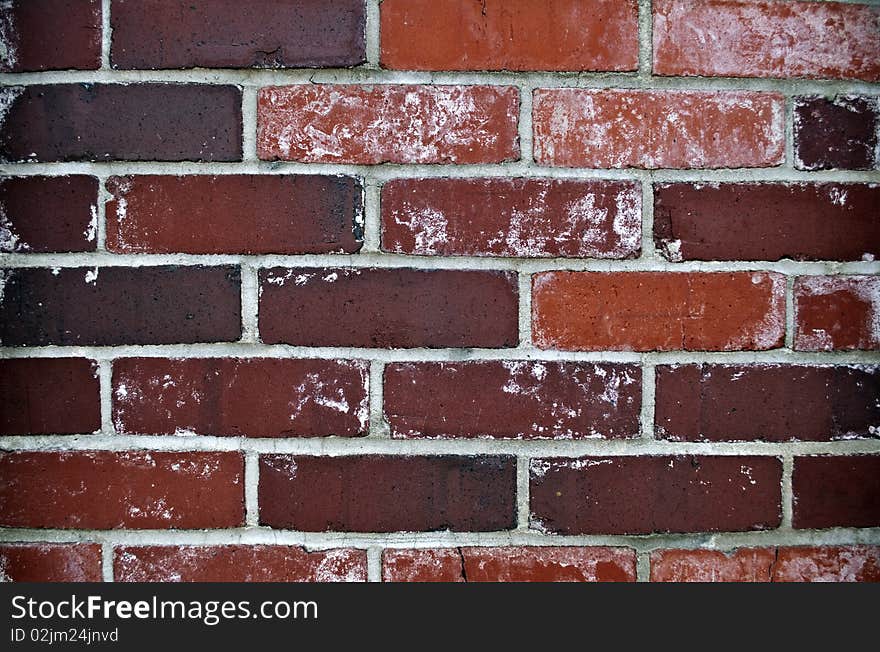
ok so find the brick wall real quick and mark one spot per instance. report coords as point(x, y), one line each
point(418, 290)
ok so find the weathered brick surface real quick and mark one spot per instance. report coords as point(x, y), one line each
point(377, 493)
point(512, 399)
point(510, 35)
point(232, 34)
point(839, 132)
point(828, 564)
point(835, 313)
point(50, 562)
point(529, 218)
point(836, 491)
point(256, 397)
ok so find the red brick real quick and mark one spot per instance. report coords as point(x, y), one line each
point(744, 38)
point(388, 308)
point(510, 35)
point(840, 132)
point(256, 397)
point(527, 564)
point(658, 129)
point(529, 218)
point(56, 396)
point(110, 122)
point(48, 214)
point(248, 214)
point(50, 35)
point(515, 399)
point(836, 491)
point(377, 493)
point(119, 305)
point(828, 564)
point(712, 402)
point(767, 221)
point(237, 563)
point(647, 311)
point(644, 495)
point(50, 562)
point(742, 565)
point(837, 313)
point(233, 34)
point(388, 124)
point(103, 490)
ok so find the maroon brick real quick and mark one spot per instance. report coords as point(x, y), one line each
point(50, 35)
point(50, 562)
point(836, 133)
point(45, 396)
point(237, 563)
point(134, 122)
point(119, 305)
point(767, 221)
point(512, 217)
point(836, 491)
point(48, 214)
point(377, 493)
point(235, 214)
point(834, 313)
point(643, 495)
point(515, 399)
point(713, 402)
point(257, 397)
point(233, 34)
point(102, 490)
point(388, 308)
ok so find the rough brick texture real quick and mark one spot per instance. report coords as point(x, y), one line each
point(138, 490)
point(767, 221)
point(49, 562)
point(529, 564)
point(714, 402)
point(237, 563)
point(387, 494)
point(743, 38)
point(840, 132)
point(513, 399)
point(530, 218)
point(49, 396)
point(643, 495)
point(109, 122)
point(234, 214)
point(835, 313)
point(119, 305)
point(257, 397)
point(646, 311)
point(836, 491)
point(388, 124)
point(231, 34)
point(658, 129)
point(510, 35)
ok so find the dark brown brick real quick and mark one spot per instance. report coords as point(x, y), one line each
point(836, 133)
point(377, 493)
point(46, 396)
point(643, 495)
point(388, 308)
point(836, 491)
point(50, 35)
point(48, 214)
point(155, 34)
point(134, 122)
point(712, 402)
point(120, 305)
point(103, 490)
point(767, 221)
point(248, 214)
point(50, 562)
point(256, 397)
point(516, 399)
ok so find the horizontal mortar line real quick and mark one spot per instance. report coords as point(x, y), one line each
point(251, 350)
point(343, 446)
point(389, 171)
point(326, 540)
point(368, 75)
point(392, 260)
